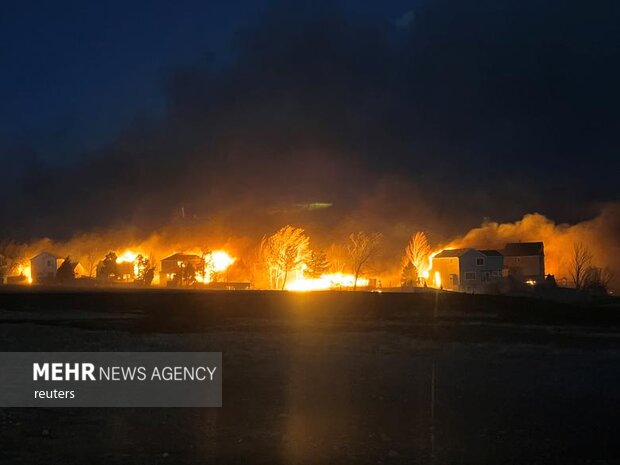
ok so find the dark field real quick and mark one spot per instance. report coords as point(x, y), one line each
point(334, 378)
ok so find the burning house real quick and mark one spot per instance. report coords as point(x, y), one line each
point(207, 271)
point(181, 269)
point(125, 271)
point(467, 270)
point(525, 261)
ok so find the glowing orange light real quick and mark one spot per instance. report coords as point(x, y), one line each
point(326, 282)
point(437, 280)
point(221, 260)
point(129, 256)
point(217, 261)
point(24, 270)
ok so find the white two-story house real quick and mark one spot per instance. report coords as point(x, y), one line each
point(467, 270)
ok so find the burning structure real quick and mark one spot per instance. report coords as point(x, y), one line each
point(185, 270)
point(289, 260)
point(181, 270)
point(129, 267)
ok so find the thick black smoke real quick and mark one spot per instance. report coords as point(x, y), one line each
point(464, 111)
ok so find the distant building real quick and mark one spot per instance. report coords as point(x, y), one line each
point(525, 260)
point(125, 271)
point(43, 267)
point(74, 271)
point(180, 269)
point(467, 270)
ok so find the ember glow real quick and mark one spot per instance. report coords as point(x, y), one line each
point(327, 282)
point(221, 260)
point(129, 257)
point(216, 262)
point(24, 270)
point(427, 273)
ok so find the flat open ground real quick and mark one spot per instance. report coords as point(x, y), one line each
point(333, 378)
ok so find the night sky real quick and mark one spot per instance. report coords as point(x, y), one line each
point(439, 112)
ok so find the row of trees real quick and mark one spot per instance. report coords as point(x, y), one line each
point(288, 250)
point(140, 270)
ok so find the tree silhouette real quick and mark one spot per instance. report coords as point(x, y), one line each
point(362, 248)
point(409, 275)
point(317, 264)
point(580, 262)
point(108, 268)
point(66, 271)
point(145, 272)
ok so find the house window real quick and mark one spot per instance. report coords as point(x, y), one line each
point(49, 263)
point(480, 261)
point(495, 273)
point(470, 275)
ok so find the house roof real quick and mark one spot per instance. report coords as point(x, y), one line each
point(451, 253)
point(523, 249)
point(74, 265)
point(48, 254)
point(491, 253)
point(180, 257)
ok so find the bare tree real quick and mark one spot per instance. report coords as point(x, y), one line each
point(338, 258)
point(90, 262)
point(362, 248)
point(418, 252)
point(580, 262)
point(282, 252)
